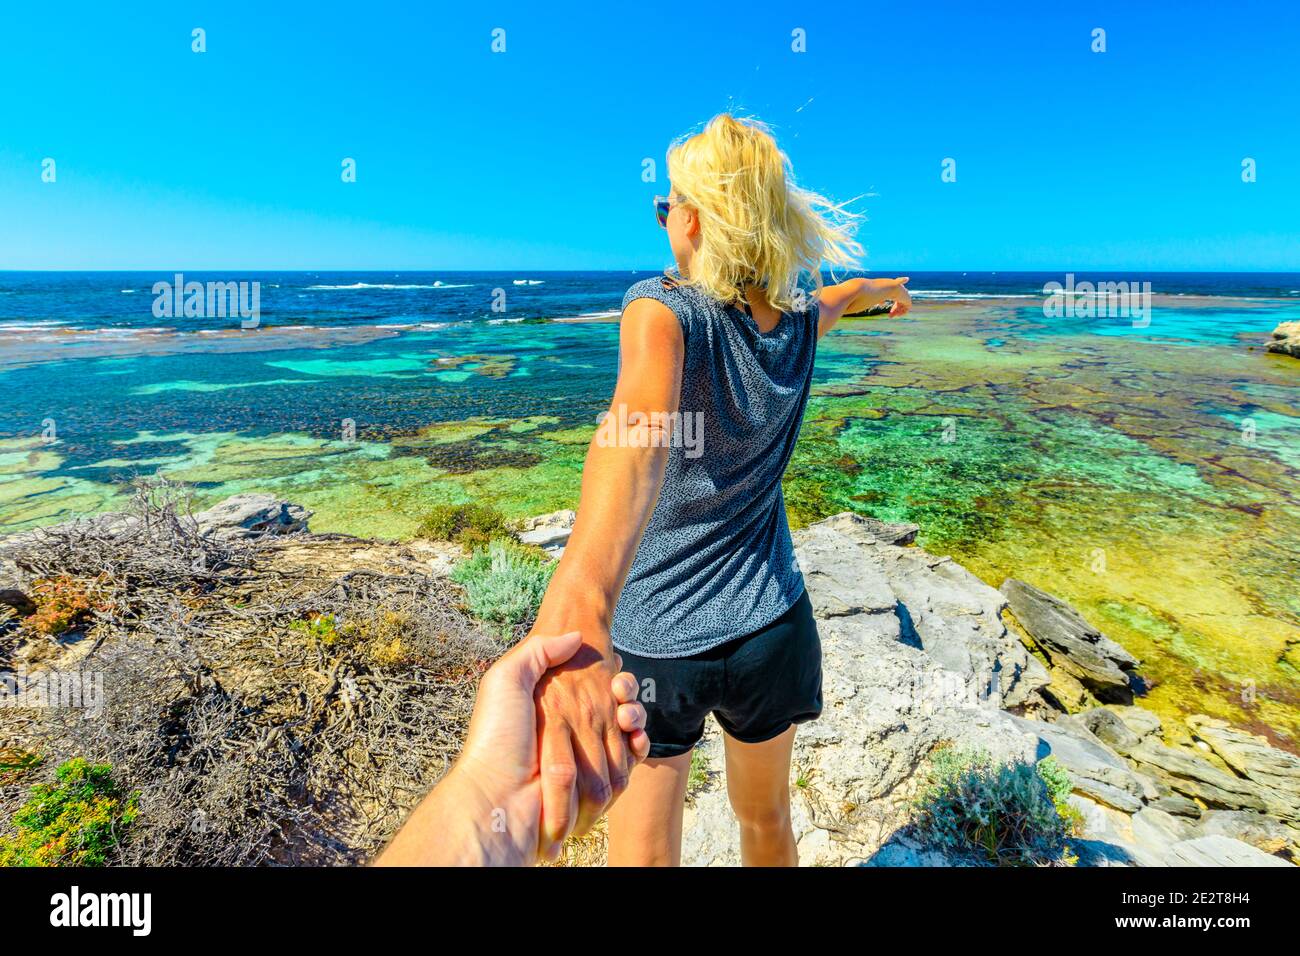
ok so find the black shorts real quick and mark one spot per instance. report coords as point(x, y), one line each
point(756, 686)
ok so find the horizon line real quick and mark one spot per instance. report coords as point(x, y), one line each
point(318, 269)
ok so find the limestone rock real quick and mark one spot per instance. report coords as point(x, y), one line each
point(1107, 726)
point(1067, 691)
point(1157, 830)
point(839, 580)
point(869, 530)
point(902, 850)
point(1262, 832)
point(1286, 339)
point(905, 637)
point(1276, 771)
point(956, 619)
point(1108, 838)
point(1195, 777)
point(1219, 851)
point(1138, 719)
point(549, 531)
point(1175, 803)
point(1102, 665)
point(250, 515)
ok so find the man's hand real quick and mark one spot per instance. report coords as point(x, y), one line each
point(487, 809)
point(585, 758)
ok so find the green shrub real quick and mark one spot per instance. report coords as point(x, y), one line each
point(73, 822)
point(697, 777)
point(1009, 814)
point(472, 525)
point(320, 627)
point(1059, 788)
point(504, 582)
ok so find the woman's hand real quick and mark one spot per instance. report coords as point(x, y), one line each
point(896, 289)
point(857, 296)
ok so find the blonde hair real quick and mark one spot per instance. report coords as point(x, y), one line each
point(756, 225)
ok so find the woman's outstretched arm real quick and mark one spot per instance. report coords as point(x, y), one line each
point(585, 762)
point(858, 295)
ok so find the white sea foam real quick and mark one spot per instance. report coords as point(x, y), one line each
point(387, 285)
point(31, 326)
point(529, 281)
point(954, 294)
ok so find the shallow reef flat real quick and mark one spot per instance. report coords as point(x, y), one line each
point(1152, 484)
point(1148, 474)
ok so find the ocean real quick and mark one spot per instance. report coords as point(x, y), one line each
point(118, 301)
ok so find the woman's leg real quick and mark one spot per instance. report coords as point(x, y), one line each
point(758, 783)
point(645, 824)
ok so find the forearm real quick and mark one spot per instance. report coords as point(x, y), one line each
point(620, 485)
point(868, 294)
point(457, 825)
point(854, 297)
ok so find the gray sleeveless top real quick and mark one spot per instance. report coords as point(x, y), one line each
point(716, 561)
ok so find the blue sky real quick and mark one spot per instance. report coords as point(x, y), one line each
point(466, 159)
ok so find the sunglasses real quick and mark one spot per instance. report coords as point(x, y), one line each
point(662, 206)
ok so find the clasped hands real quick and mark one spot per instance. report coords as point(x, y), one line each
point(555, 733)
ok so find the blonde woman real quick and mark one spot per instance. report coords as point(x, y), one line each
point(680, 568)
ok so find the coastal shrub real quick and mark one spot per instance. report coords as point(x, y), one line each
point(318, 627)
point(1059, 788)
point(378, 637)
point(75, 821)
point(249, 741)
point(698, 776)
point(62, 603)
point(504, 582)
point(472, 525)
point(1007, 814)
point(15, 762)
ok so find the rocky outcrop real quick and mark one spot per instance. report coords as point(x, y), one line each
point(1275, 772)
point(251, 515)
point(915, 653)
point(1071, 643)
point(940, 608)
point(550, 532)
point(1219, 851)
point(1195, 777)
point(1286, 339)
point(1260, 831)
